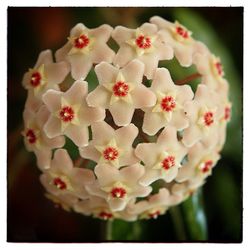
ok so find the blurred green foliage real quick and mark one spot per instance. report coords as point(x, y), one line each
point(221, 203)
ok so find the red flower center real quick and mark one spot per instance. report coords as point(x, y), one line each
point(105, 216)
point(81, 42)
point(143, 42)
point(35, 79)
point(110, 154)
point(118, 192)
point(219, 68)
point(208, 118)
point(31, 137)
point(67, 114)
point(227, 113)
point(59, 183)
point(182, 32)
point(168, 103)
point(154, 215)
point(168, 162)
point(120, 89)
point(207, 166)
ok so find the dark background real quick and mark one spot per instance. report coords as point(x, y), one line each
point(31, 217)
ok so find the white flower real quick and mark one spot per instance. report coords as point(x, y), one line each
point(63, 178)
point(180, 39)
point(203, 115)
point(121, 91)
point(118, 187)
point(200, 163)
point(99, 208)
point(169, 108)
point(163, 158)
point(144, 43)
point(85, 48)
point(45, 74)
point(111, 146)
point(70, 114)
point(36, 140)
point(154, 206)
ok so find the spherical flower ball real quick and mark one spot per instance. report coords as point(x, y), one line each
point(144, 141)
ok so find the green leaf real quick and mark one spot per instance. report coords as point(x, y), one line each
point(194, 217)
point(119, 230)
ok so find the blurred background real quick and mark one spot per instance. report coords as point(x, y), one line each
point(33, 218)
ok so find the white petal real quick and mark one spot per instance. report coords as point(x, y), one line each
point(52, 127)
point(102, 33)
point(147, 152)
point(149, 177)
point(128, 158)
point(132, 173)
point(45, 57)
point(82, 177)
point(121, 34)
point(102, 132)
point(80, 65)
point(191, 135)
point(151, 63)
point(171, 174)
point(148, 28)
point(122, 113)
point(77, 92)
point(179, 120)
point(52, 99)
point(62, 161)
point(78, 134)
point(124, 55)
point(117, 204)
point(106, 174)
point(184, 173)
point(91, 115)
point(126, 135)
point(56, 72)
point(43, 158)
point(142, 191)
point(99, 97)
point(143, 97)
point(102, 53)
point(62, 53)
point(162, 80)
point(151, 128)
point(133, 72)
point(184, 55)
point(89, 152)
point(106, 73)
point(78, 29)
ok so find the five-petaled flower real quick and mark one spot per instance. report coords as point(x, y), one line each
point(99, 208)
point(162, 159)
point(35, 138)
point(169, 109)
point(84, 48)
point(154, 206)
point(70, 114)
point(180, 39)
point(211, 69)
point(45, 74)
point(200, 163)
point(144, 43)
point(118, 187)
point(110, 146)
point(121, 91)
point(63, 178)
point(203, 114)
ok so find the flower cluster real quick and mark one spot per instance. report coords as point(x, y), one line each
point(144, 142)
